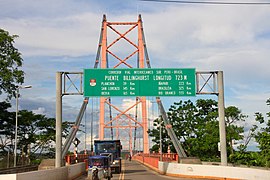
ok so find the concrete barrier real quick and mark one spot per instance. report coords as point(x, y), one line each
point(8, 176)
point(214, 172)
point(76, 170)
point(51, 174)
point(67, 172)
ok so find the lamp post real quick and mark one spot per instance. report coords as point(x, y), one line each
point(160, 140)
point(16, 123)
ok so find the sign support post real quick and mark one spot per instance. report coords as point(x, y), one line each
point(221, 114)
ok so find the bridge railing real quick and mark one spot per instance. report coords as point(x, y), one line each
point(153, 158)
point(71, 159)
point(166, 157)
point(150, 159)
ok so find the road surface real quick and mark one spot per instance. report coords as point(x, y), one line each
point(133, 170)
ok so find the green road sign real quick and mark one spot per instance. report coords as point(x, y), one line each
point(139, 82)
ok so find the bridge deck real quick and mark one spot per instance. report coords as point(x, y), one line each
point(133, 170)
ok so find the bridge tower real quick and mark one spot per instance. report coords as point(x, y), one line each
point(106, 48)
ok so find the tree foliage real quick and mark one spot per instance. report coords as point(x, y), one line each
point(196, 126)
point(262, 136)
point(260, 131)
point(234, 132)
point(10, 61)
point(7, 121)
point(34, 130)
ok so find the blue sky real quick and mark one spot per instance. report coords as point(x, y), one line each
point(63, 35)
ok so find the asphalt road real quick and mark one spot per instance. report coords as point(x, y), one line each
point(132, 170)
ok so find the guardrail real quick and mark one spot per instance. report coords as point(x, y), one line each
point(150, 160)
point(70, 159)
point(153, 158)
point(166, 157)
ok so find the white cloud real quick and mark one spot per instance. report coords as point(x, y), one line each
point(250, 103)
point(151, 107)
point(72, 35)
point(40, 110)
point(202, 27)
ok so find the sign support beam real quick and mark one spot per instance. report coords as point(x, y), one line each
point(221, 114)
point(58, 146)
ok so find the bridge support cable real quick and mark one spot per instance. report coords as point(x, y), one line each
point(136, 119)
point(141, 55)
point(100, 43)
point(147, 60)
point(75, 128)
point(92, 119)
point(110, 114)
point(176, 143)
point(85, 132)
point(130, 138)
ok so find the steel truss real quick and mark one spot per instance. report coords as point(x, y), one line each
point(206, 82)
point(72, 83)
point(138, 48)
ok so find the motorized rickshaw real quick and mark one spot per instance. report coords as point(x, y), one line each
point(99, 167)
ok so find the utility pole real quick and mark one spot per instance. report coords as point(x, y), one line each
point(16, 123)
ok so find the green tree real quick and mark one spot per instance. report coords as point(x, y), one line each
point(234, 132)
point(204, 142)
point(10, 61)
point(7, 121)
point(34, 130)
point(261, 132)
point(196, 125)
point(262, 136)
point(38, 131)
point(155, 133)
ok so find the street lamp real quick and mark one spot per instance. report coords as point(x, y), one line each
point(160, 139)
point(16, 124)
